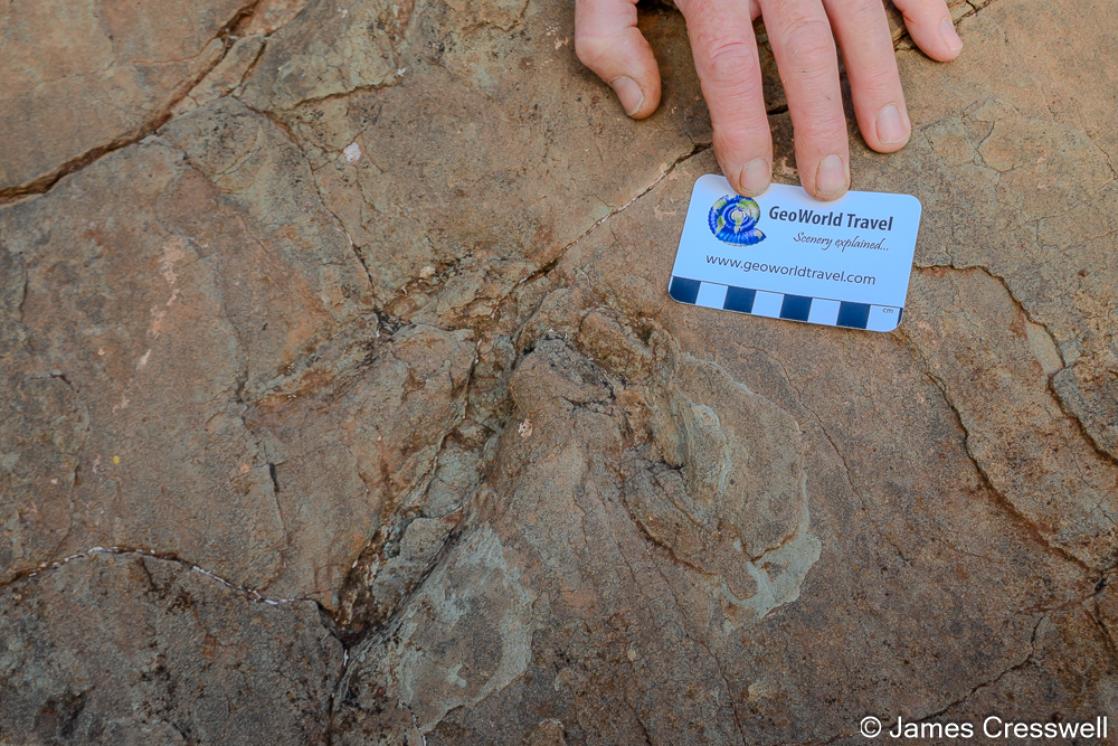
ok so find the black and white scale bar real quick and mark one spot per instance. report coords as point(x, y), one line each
point(784, 306)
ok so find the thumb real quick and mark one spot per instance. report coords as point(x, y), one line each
point(608, 42)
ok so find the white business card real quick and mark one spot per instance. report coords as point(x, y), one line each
point(787, 255)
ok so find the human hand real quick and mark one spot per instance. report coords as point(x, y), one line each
point(802, 34)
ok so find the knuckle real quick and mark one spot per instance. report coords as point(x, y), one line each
point(808, 42)
point(591, 51)
point(731, 62)
point(862, 11)
point(696, 7)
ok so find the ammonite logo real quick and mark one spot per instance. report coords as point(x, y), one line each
point(733, 219)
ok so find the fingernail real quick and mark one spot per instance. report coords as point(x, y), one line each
point(628, 93)
point(950, 35)
point(755, 177)
point(891, 129)
point(830, 178)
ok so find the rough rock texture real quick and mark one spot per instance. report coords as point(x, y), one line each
point(188, 660)
point(343, 400)
point(81, 76)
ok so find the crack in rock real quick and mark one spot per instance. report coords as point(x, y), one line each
point(250, 594)
point(164, 114)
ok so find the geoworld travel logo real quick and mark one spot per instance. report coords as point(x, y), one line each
point(733, 219)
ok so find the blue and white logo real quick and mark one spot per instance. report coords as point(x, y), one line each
point(733, 219)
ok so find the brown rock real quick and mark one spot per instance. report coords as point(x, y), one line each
point(377, 320)
point(123, 648)
point(347, 455)
point(441, 163)
point(136, 302)
point(82, 77)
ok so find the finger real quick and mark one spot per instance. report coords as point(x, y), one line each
point(930, 26)
point(805, 55)
point(608, 42)
point(725, 52)
point(871, 66)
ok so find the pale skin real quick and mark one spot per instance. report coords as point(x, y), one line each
point(803, 35)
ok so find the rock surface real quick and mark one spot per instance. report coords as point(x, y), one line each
point(343, 400)
point(126, 648)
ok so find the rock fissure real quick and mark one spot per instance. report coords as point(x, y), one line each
point(991, 681)
point(164, 114)
point(1000, 498)
point(446, 375)
point(1084, 433)
point(247, 592)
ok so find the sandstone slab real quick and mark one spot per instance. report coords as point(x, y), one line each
point(81, 77)
point(349, 339)
point(126, 648)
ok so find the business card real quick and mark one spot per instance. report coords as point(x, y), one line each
point(787, 255)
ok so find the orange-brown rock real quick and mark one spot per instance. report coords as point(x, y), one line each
point(342, 399)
